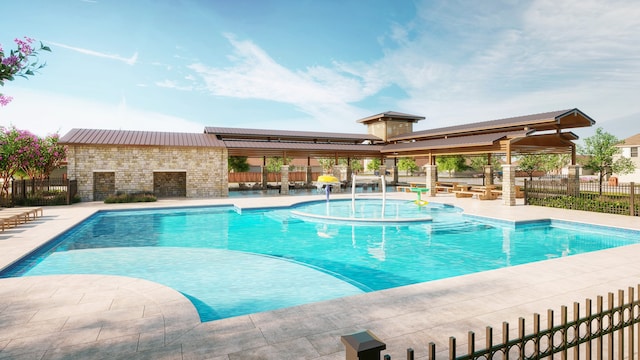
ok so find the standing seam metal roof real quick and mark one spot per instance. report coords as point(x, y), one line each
point(139, 138)
point(239, 133)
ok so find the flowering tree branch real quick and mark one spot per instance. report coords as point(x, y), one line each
point(22, 62)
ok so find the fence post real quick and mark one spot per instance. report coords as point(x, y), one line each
point(632, 195)
point(362, 346)
point(68, 183)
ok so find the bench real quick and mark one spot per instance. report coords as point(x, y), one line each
point(464, 193)
point(483, 192)
point(446, 186)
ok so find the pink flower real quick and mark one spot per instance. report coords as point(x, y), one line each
point(4, 100)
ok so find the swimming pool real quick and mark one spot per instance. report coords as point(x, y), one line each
point(230, 262)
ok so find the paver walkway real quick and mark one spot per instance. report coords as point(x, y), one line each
point(110, 317)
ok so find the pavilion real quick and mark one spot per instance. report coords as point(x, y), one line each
point(195, 165)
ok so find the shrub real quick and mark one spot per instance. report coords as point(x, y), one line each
point(130, 197)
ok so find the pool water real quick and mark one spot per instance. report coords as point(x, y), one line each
point(230, 262)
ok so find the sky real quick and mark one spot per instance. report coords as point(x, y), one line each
point(320, 65)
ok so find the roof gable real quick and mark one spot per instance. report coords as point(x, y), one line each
point(631, 141)
point(553, 120)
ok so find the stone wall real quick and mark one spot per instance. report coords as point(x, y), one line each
point(104, 185)
point(134, 167)
point(170, 184)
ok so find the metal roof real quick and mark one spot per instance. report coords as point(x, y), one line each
point(554, 120)
point(449, 143)
point(278, 148)
point(139, 138)
point(391, 115)
point(225, 133)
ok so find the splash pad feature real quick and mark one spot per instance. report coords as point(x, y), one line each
point(366, 211)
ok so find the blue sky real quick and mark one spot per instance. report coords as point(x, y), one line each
point(181, 65)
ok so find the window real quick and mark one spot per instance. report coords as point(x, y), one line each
point(634, 152)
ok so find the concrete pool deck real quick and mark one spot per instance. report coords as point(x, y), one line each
point(109, 317)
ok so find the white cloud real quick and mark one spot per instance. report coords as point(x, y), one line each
point(255, 75)
point(129, 61)
point(546, 56)
point(173, 85)
point(56, 113)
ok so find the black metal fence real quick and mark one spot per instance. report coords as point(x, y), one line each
point(42, 192)
point(622, 199)
point(611, 332)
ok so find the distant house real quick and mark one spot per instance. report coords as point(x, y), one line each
point(630, 148)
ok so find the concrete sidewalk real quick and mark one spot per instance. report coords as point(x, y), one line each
point(110, 317)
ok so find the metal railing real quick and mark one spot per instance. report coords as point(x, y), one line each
point(611, 332)
point(622, 199)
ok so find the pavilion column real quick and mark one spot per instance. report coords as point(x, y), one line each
point(573, 178)
point(488, 175)
point(337, 172)
point(395, 171)
point(265, 177)
point(432, 177)
point(309, 179)
point(509, 184)
point(284, 180)
point(349, 171)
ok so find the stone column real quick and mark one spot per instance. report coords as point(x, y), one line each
point(573, 178)
point(309, 175)
point(509, 185)
point(265, 177)
point(431, 178)
point(362, 346)
point(337, 172)
point(488, 175)
point(284, 181)
point(395, 174)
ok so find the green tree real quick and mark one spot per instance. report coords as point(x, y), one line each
point(478, 163)
point(601, 150)
point(326, 163)
point(356, 165)
point(274, 164)
point(529, 163)
point(407, 164)
point(374, 164)
point(451, 163)
point(238, 163)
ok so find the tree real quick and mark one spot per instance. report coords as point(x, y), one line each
point(274, 164)
point(407, 164)
point(22, 151)
point(22, 62)
point(601, 150)
point(238, 163)
point(451, 163)
point(529, 163)
point(356, 165)
point(326, 163)
point(479, 162)
point(374, 164)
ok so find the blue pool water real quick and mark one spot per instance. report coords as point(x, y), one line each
point(230, 262)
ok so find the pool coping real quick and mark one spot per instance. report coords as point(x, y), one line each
point(402, 317)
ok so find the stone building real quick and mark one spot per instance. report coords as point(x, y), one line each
point(105, 162)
